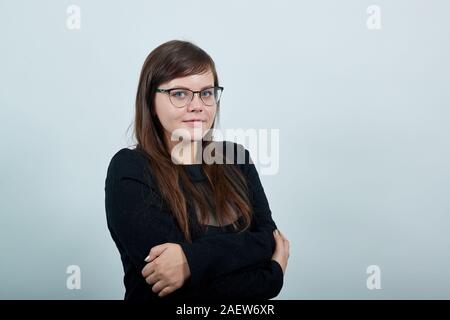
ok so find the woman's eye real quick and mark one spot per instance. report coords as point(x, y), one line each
point(207, 93)
point(178, 94)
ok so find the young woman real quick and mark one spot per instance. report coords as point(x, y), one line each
point(187, 227)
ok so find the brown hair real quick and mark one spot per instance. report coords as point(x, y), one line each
point(228, 191)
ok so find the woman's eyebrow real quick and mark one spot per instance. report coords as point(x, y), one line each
point(183, 87)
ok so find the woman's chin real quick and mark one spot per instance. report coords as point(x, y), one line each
point(194, 133)
point(190, 136)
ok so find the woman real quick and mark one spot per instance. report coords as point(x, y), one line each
point(187, 227)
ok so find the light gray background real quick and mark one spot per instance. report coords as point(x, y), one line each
point(363, 116)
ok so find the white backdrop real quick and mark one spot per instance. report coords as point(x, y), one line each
point(359, 94)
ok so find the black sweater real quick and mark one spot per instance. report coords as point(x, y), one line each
point(224, 264)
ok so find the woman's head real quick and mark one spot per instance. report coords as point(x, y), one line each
point(176, 106)
point(165, 111)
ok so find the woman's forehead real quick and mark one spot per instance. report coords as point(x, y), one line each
point(193, 82)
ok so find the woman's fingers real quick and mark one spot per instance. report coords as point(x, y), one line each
point(279, 235)
point(151, 279)
point(286, 247)
point(282, 242)
point(158, 286)
point(165, 291)
point(148, 269)
point(279, 243)
point(162, 289)
point(286, 241)
point(281, 252)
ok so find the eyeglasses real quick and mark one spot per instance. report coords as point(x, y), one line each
point(181, 97)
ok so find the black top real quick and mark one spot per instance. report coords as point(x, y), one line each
point(224, 264)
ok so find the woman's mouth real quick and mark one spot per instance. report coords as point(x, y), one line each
point(194, 123)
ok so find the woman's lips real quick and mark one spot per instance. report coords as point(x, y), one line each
point(194, 123)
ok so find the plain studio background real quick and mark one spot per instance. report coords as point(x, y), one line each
point(364, 128)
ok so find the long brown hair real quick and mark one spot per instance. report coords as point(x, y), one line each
point(228, 193)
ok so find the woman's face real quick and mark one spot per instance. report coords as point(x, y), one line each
point(173, 118)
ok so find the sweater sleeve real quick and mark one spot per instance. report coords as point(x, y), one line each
point(261, 282)
point(135, 216)
point(236, 250)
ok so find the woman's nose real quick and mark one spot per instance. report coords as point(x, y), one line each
point(196, 103)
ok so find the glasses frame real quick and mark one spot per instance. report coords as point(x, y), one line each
point(167, 91)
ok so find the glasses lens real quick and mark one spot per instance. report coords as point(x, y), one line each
point(211, 96)
point(180, 97)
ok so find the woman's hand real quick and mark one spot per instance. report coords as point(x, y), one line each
point(167, 269)
point(281, 253)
